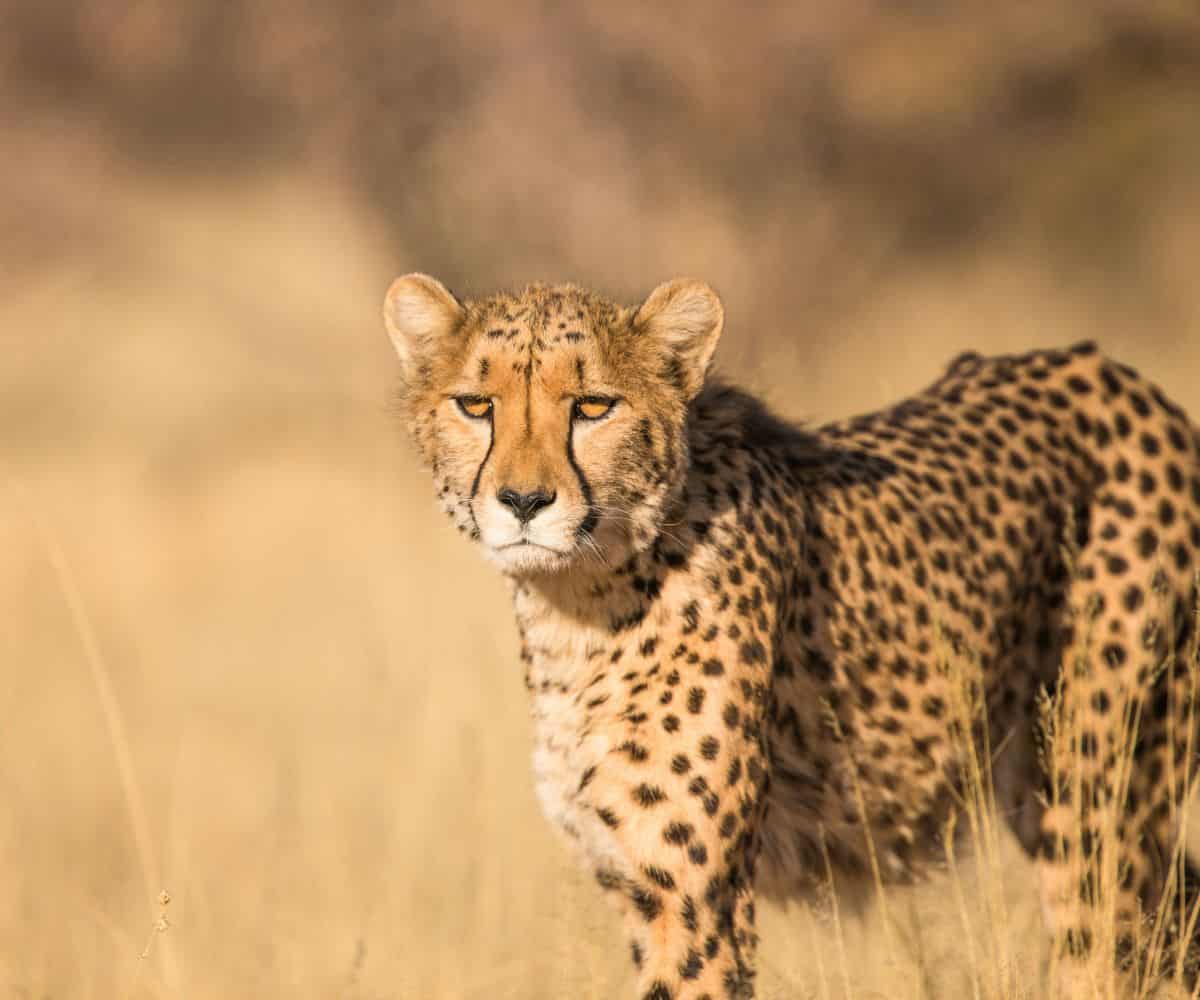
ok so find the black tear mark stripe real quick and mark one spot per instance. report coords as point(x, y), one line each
point(588, 524)
point(479, 474)
point(529, 388)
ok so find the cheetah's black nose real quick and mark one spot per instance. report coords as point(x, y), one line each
point(525, 506)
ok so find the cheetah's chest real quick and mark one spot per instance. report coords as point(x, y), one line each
point(569, 754)
point(563, 753)
point(569, 739)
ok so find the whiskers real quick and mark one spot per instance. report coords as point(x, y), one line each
point(590, 549)
point(620, 515)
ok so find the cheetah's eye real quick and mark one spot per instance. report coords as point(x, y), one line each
point(475, 407)
point(592, 407)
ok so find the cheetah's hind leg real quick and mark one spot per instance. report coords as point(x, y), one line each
point(1118, 893)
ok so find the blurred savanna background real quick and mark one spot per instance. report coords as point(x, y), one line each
point(242, 659)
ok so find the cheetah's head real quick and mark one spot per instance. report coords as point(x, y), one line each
point(553, 421)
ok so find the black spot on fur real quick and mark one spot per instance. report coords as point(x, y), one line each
point(646, 795)
point(649, 904)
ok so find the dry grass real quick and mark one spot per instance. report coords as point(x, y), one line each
point(241, 658)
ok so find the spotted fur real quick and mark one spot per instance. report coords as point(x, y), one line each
point(732, 627)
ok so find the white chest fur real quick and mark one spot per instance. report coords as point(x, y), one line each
point(563, 752)
point(570, 739)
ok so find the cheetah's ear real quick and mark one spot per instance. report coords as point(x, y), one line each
point(684, 317)
point(419, 312)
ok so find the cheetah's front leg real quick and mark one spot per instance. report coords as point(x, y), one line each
point(692, 933)
point(684, 858)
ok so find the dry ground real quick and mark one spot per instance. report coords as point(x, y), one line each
point(242, 659)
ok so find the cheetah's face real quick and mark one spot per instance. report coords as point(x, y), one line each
point(553, 421)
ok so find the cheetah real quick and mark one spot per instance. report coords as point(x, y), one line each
point(730, 626)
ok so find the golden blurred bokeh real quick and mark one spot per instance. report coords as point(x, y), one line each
point(241, 657)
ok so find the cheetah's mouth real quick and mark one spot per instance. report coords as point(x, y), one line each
point(525, 543)
point(525, 556)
